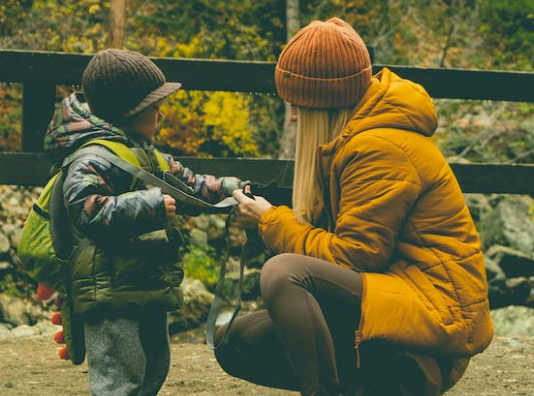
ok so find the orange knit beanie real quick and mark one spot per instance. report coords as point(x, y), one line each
point(325, 65)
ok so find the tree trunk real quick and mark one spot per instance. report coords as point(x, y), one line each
point(117, 17)
point(289, 135)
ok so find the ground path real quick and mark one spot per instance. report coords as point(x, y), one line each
point(29, 367)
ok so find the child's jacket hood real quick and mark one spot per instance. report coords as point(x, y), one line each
point(73, 125)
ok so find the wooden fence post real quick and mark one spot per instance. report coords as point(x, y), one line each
point(38, 101)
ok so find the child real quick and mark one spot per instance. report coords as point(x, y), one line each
point(125, 266)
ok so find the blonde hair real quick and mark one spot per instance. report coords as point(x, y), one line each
point(314, 128)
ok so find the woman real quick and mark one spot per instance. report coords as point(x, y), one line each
point(378, 284)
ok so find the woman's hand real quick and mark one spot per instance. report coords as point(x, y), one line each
point(170, 206)
point(250, 210)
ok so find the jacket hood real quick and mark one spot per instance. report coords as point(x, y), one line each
point(393, 102)
point(73, 125)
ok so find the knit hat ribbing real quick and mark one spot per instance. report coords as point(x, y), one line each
point(119, 84)
point(325, 65)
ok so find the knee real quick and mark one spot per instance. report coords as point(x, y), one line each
point(276, 274)
point(227, 358)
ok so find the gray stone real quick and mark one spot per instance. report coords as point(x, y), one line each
point(5, 245)
point(251, 285)
point(478, 205)
point(513, 321)
point(493, 271)
point(5, 333)
point(194, 312)
point(199, 238)
point(24, 331)
point(19, 311)
point(513, 262)
point(509, 224)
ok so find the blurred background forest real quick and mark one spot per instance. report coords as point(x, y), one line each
point(479, 34)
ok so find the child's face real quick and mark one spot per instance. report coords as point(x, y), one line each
point(145, 123)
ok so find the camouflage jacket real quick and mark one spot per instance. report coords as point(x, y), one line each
point(126, 255)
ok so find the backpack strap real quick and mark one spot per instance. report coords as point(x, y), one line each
point(172, 186)
point(119, 149)
point(123, 151)
point(162, 162)
point(60, 231)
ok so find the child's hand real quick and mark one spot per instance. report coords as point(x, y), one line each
point(170, 206)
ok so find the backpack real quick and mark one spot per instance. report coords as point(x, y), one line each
point(46, 241)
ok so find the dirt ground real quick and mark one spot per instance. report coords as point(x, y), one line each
point(29, 367)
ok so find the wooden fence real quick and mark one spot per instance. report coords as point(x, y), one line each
point(40, 72)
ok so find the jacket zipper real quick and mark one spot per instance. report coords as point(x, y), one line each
point(357, 342)
point(358, 331)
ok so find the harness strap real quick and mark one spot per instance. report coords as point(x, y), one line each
point(180, 191)
point(218, 292)
point(249, 246)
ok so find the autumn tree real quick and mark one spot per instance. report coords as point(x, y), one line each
point(481, 34)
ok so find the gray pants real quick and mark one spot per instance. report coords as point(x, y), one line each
point(128, 357)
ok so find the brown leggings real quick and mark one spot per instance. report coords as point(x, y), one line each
point(304, 341)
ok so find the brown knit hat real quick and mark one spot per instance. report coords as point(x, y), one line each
point(325, 65)
point(119, 84)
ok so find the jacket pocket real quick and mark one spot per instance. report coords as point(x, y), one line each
point(429, 294)
point(85, 276)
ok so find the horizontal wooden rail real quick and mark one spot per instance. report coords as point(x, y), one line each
point(31, 169)
point(470, 84)
point(258, 77)
point(40, 72)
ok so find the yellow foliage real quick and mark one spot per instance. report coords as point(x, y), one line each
point(94, 9)
point(205, 124)
point(187, 50)
point(226, 116)
point(197, 123)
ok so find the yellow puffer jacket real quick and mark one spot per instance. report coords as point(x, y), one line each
point(397, 214)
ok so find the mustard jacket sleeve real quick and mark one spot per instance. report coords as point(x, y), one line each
point(374, 184)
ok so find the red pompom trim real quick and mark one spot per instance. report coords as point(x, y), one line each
point(56, 319)
point(59, 337)
point(63, 353)
point(44, 292)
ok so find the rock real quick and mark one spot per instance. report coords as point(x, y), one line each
point(13, 232)
point(514, 291)
point(199, 238)
point(514, 263)
point(213, 225)
point(24, 331)
point(493, 271)
point(251, 285)
point(5, 245)
point(509, 224)
point(45, 327)
point(18, 311)
point(5, 332)
point(478, 205)
point(193, 314)
point(513, 321)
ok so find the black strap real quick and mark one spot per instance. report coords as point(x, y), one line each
point(218, 292)
point(60, 231)
point(249, 246)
